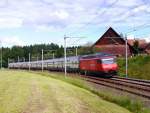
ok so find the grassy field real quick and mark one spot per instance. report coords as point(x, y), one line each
point(23, 92)
point(138, 67)
point(133, 105)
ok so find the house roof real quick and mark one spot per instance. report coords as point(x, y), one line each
point(145, 46)
point(112, 34)
point(140, 41)
point(131, 41)
point(114, 39)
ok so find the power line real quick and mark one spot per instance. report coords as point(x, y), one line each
point(138, 28)
point(145, 25)
point(145, 34)
point(65, 53)
point(76, 41)
point(111, 5)
point(135, 28)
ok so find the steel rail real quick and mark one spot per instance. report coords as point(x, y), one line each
point(136, 89)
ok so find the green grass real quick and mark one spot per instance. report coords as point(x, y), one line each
point(23, 92)
point(138, 67)
point(124, 101)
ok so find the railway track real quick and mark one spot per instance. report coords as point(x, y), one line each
point(133, 80)
point(133, 86)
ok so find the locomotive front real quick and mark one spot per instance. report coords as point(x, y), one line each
point(108, 65)
point(99, 64)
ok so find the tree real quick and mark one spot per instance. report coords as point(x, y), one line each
point(136, 47)
point(86, 49)
point(35, 51)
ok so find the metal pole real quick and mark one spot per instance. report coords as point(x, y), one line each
point(37, 58)
point(76, 51)
point(53, 55)
point(18, 59)
point(29, 61)
point(18, 62)
point(65, 63)
point(126, 56)
point(42, 60)
point(23, 59)
point(37, 61)
point(65, 55)
point(8, 63)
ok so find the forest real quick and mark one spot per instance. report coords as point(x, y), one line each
point(21, 53)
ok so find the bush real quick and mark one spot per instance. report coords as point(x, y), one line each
point(138, 67)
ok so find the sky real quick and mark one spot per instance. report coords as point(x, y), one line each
point(25, 22)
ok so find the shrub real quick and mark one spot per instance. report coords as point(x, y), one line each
point(138, 67)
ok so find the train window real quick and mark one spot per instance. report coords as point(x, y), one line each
point(108, 61)
point(99, 61)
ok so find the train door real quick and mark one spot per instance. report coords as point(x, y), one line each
point(99, 65)
point(92, 65)
point(83, 65)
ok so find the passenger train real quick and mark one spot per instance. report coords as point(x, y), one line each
point(101, 64)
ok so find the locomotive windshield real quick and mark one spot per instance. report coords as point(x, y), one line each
point(108, 61)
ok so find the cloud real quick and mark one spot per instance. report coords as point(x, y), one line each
point(129, 3)
point(61, 14)
point(10, 41)
point(6, 22)
point(147, 39)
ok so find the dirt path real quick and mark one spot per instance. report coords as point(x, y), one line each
point(36, 103)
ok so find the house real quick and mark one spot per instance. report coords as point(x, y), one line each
point(141, 42)
point(111, 42)
point(143, 46)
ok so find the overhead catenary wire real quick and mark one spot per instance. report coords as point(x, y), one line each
point(135, 28)
point(138, 28)
point(65, 53)
point(145, 35)
point(76, 41)
point(122, 13)
point(88, 23)
point(145, 25)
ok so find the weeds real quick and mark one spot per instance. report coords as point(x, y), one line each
point(138, 67)
point(124, 101)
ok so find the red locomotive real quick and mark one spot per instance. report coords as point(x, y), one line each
point(101, 64)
